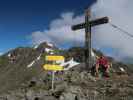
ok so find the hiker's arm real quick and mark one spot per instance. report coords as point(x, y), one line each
point(97, 67)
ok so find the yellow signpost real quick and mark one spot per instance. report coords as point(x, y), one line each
point(54, 58)
point(53, 67)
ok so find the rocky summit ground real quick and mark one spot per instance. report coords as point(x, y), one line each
point(25, 78)
point(74, 85)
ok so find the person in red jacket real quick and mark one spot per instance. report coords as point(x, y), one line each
point(102, 65)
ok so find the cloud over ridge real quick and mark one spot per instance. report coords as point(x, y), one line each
point(103, 36)
point(120, 14)
point(60, 31)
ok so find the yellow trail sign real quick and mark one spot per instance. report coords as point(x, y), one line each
point(53, 67)
point(54, 58)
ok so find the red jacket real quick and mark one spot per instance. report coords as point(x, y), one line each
point(103, 61)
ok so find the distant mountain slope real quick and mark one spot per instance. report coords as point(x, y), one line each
point(23, 64)
point(13, 66)
point(78, 54)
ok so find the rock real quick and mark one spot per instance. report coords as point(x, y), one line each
point(67, 96)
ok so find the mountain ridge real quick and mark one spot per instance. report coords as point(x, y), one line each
point(14, 73)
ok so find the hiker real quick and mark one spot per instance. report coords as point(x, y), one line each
point(102, 66)
point(12, 57)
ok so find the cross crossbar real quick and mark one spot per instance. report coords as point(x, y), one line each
point(92, 23)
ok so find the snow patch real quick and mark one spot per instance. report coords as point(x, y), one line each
point(50, 44)
point(39, 57)
point(51, 53)
point(70, 64)
point(48, 50)
point(34, 61)
point(31, 64)
point(36, 46)
point(122, 69)
point(9, 55)
point(92, 54)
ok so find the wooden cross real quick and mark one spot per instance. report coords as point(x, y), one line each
point(87, 26)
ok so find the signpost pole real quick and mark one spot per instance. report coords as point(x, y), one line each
point(53, 75)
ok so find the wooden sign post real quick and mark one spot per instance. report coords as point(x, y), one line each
point(53, 67)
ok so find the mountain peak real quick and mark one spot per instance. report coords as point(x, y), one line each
point(44, 44)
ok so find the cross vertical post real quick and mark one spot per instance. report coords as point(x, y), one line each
point(87, 26)
point(87, 40)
